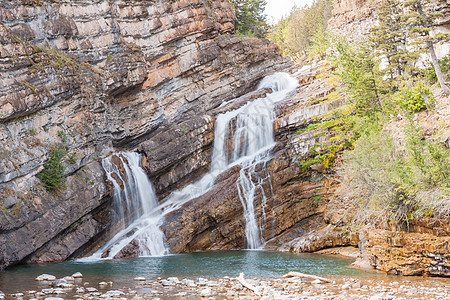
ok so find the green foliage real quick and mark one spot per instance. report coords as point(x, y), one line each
point(419, 21)
point(315, 126)
point(414, 99)
point(322, 154)
point(250, 17)
point(395, 185)
point(445, 65)
point(430, 74)
point(356, 66)
point(320, 43)
point(52, 176)
point(303, 28)
point(278, 33)
point(389, 39)
point(43, 58)
point(62, 135)
point(72, 157)
point(430, 158)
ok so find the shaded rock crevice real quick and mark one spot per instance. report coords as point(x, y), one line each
point(110, 76)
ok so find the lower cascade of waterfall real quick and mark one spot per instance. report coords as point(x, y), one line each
point(249, 129)
point(137, 207)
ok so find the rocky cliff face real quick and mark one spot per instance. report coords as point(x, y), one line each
point(353, 19)
point(102, 76)
point(291, 203)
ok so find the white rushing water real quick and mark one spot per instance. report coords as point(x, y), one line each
point(135, 199)
point(242, 137)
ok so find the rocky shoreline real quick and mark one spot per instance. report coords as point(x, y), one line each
point(293, 285)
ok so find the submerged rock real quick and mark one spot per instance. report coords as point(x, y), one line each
point(113, 293)
point(139, 278)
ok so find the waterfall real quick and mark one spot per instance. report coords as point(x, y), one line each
point(136, 204)
point(242, 137)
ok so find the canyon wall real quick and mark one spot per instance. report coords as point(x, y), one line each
point(422, 247)
point(95, 77)
point(353, 19)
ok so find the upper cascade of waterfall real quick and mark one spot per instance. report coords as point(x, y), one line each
point(278, 82)
point(243, 136)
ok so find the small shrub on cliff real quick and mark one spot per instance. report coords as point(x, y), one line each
point(414, 99)
point(52, 177)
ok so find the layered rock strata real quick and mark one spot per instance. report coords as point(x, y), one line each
point(303, 212)
point(294, 202)
point(102, 76)
point(353, 19)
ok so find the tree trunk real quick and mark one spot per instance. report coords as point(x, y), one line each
point(374, 84)
point(434, 59)
point(437, 68)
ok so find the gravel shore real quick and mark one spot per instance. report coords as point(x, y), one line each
point(289, 286)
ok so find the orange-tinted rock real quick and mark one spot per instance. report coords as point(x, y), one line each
point(408, 253)
point(111, 78)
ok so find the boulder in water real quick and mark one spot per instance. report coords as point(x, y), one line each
point(139, 279)
point(206, 292)
point(77, 275)
point(129, 251)
point(113, 294)
point(45, 277)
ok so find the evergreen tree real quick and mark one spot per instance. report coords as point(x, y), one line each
point(278, 33)
point(389, 39)
point(419, 24)
point(360, 72)
point(298, 30)
point(250, 17)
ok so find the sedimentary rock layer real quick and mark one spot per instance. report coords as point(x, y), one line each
point(353, 19)
point(101, 76)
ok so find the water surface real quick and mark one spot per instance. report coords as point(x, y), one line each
point(211, 264)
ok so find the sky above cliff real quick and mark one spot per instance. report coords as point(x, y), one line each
point(275, 9)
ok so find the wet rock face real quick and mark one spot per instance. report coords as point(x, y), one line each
point(107, 76)
point(294, 202)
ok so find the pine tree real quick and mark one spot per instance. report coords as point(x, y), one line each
point(419, 24)
point(299, 29)
point(250, 17)
point(278, 33)
point(389, 39)
point(360, 72)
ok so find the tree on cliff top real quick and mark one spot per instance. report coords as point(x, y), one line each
point(295, 34)
point(389, 38)
point(250, 17)
point(420, 22)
